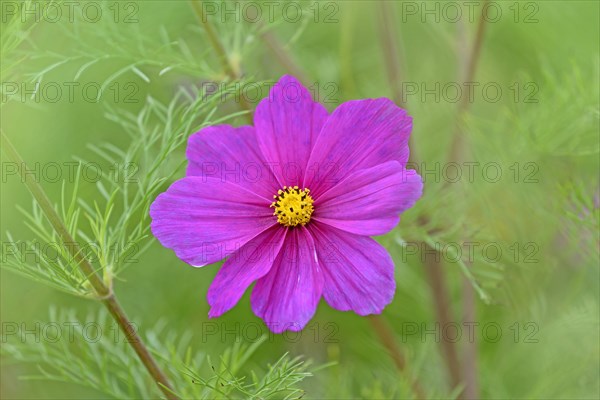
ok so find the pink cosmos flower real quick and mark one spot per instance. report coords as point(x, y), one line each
point(292, 202)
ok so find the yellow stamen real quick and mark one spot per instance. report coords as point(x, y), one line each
point(293, 206)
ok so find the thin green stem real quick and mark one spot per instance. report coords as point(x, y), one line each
point(433, 267)
point(386, 335)
point(213, 38)
point(441, 303)
point(458, 150)
point(392, 47)
point(469, 361)
point(101, 289)
point(391, 50)
point(458, 145)
point(228, 68)
point(283, 56)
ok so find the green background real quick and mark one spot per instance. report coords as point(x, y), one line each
point(549, 131)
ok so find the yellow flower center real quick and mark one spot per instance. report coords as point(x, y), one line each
point(293, 206)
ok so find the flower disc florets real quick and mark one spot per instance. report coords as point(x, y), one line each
point(293, 206)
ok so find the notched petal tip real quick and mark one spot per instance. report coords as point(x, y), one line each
point(358, 134)
point(358, 271)
point(287, 297)
point(288, 123)
point(249, 263)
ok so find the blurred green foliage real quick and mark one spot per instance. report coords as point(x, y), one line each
point(542, 293)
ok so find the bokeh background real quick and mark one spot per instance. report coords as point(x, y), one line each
point(532, 116)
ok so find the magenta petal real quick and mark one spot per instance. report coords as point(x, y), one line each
point(287, 297)
point(287, 125)
point(230, 154)
point(368, 202)
point(359, 272)
point(359, 134)
point(246, 265)
point(205, 219)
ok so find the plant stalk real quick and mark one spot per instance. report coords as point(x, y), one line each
point(441, 302)
point(286, 61)
point(469, 361)
point(393, 63)
point(101, 289)
point(230, 70)
point(458, 152)
point(469, 68)
point(388, 339)
point(433, 267)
